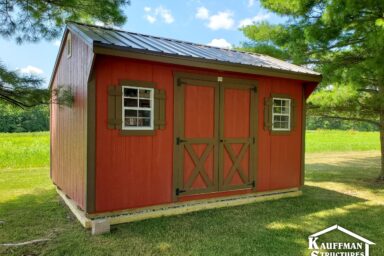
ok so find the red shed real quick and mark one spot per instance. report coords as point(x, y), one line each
point(162, 122)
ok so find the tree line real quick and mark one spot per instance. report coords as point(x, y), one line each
point(14, 119)
point(35, 119)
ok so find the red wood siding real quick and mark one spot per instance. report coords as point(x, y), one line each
point(131, 171)
point(68, 125)
point(137, 171)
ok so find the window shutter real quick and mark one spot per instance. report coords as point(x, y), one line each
point(112, 107)
point(119, 107)
point(159, 108)
point(268, 113)
point(293, 114)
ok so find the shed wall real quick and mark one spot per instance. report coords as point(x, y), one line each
point(68, 124)
point(137, 171)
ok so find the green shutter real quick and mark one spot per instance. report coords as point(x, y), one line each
point(112, 107)
point(293, 114)
point(119, 107)
point(268, 114)
point(159, 109)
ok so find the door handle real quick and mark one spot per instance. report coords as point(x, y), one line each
point(179, 141)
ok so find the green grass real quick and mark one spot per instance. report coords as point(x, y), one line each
point(24, 150)
point(341, 141)
point(340, 189)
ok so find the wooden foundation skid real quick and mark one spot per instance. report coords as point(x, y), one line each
point(175, 208)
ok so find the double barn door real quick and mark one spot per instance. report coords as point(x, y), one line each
point(215, 129)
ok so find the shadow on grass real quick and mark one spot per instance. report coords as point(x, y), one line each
point(360, 173)
point(33, 216)
point(278, 227)
point(243, 230)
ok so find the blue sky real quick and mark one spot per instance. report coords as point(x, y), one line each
point(200, 21)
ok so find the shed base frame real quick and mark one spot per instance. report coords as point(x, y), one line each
point(138, 214)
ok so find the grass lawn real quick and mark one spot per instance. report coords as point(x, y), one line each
point(340, 189)
point(341, 141)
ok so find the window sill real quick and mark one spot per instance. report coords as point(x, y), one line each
point(137, 132)
point(281, 132)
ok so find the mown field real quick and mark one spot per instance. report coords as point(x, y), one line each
point(341, 168)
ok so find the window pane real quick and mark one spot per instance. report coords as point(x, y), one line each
point(285, 110)
point(130, 121)
point(129, 92)
point(144, 122)
point(145, 104)
point(145, 94)
point(284, 125)
point(144, 113)
point(285, 103)
point(284, 118)
point(276, 119)
point(130, 113)
point(130, 102)
point(277, 103)
point(276, 125)
point(276, 110)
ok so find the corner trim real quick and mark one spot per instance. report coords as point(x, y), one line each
point(303, 131)
point(90, 189)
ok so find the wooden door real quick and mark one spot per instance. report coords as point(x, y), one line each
point(237, 135)
point(214, 131)
point(196, 136)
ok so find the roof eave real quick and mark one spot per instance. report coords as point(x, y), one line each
point(55, 66)
point(114, 50)
point(78, 33)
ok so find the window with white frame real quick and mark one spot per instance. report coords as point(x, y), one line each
point(137, 108)
point(281, 114)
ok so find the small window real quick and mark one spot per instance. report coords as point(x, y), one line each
point(69, 45)
point(281, 114)
point(137, 108)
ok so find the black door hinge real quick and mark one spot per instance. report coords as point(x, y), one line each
point(253, 184)
point(179, 141)
point(254, 140)
point(254, 89)
point(179, 191)
point(179, 82)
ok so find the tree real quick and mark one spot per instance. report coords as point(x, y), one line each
point(342, 39)
point(34, 20)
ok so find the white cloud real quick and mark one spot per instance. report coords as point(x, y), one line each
point(150, 19)
point(202, 13)
point(255, 19)
point(220, 42)
point(159, 12)
point(31, 70)
point(221, 20)
point(251, 3)
point(57, 43)
point(165, 14)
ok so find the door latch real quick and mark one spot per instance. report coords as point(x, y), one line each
point(179, 191)
point(179, 141)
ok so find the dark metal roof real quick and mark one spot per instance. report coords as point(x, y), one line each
point(152, 44)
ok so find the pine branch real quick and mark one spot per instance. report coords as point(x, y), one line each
point(368, 90)
point(351, 119)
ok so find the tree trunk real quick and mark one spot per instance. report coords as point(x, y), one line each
point(381, 176)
